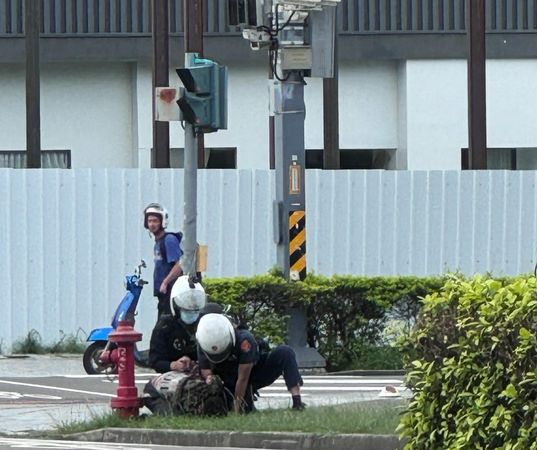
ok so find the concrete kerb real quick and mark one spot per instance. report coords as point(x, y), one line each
point(272, 440)
point(368, 373)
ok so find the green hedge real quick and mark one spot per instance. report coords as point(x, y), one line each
point(473, 360)
point(352, 321)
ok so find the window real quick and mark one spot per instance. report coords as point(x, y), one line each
point(506, 158)
point(215, 157)
point(355, 159)
point(50, 159)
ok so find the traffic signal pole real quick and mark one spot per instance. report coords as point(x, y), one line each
point(203, 109)
point(190, 194)
point(193, 43)
point(290, 159)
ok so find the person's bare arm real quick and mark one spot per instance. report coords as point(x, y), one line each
point(175, 273)
point(241, 386)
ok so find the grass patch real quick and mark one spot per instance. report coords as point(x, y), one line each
point(32, 344)
point(369, 417)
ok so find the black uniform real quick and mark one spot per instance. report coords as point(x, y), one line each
point(267, 366)
point(170, 341)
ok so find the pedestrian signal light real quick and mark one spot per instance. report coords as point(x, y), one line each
point(203, 101)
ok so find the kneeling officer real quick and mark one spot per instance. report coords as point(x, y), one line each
point(173, 337)
point(233, 355)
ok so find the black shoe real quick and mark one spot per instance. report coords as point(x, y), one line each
point(299, 407)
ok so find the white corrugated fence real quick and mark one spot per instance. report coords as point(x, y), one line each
point(68, 237)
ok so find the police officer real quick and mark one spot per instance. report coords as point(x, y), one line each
point(173, 342)
point(233, 355)
point(167, 253)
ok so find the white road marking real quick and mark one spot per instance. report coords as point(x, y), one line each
point(106, 377)
point(46, 444)
point(346, 381)
point(18, 395)
point(309, 380)
point(54, 388)
point(329, 388)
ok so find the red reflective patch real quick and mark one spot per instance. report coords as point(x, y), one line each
point(168, 95)
point(246, 346)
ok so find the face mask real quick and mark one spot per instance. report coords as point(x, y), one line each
point(189, 317)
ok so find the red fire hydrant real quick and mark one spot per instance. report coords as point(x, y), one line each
point(126, 403)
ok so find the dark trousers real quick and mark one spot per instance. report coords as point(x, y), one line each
point(163, 304)
point(280, 361)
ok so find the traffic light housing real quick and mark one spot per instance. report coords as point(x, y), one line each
point(203, 102)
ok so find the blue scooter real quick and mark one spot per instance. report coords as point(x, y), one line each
point(99, 357)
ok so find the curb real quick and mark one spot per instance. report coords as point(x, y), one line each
point(271, 440)
point(368, 373)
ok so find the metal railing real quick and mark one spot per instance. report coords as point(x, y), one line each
point(433, 16)
point(133, 17)
point(105, 17)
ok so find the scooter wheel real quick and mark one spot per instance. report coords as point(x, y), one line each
point(92, 364)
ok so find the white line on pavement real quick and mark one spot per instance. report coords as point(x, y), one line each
point(329, 388)
point(347, 381)
point(54, 388)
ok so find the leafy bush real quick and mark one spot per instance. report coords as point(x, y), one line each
point(353, 321)
point(259, 303)
point(473, 360)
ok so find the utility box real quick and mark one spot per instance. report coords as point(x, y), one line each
point(322, 37)
point(296, 58)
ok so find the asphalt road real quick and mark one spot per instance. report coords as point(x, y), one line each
point(40, 393)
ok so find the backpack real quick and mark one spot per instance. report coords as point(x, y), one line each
point(179, 393)
point(162, 246)
point(194, 396)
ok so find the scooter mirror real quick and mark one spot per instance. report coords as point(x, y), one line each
point(144, 265)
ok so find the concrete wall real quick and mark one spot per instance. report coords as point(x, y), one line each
point(84, 107)
point(102, 112)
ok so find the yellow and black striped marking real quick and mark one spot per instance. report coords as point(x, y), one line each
point(297, 245)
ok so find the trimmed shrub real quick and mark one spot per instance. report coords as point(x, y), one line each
point(353, 321)
point(473, 367)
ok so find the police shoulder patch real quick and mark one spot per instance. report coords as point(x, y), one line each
point(246, 346)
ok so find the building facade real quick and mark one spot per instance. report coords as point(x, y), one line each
point(402, 85)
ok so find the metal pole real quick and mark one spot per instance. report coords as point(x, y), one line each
point(290, 158)
point(331, 153)
point(160, 157)
point(190, 198)
point(289, 114)
point(192, 155)
point(272, 144)
point(32, 23)
point(477, 102)
point(194, 44)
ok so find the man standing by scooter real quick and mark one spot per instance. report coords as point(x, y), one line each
point(167, 253)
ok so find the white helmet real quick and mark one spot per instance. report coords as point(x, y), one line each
point(216, 337)
point(186, 300)
point(156, 209)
